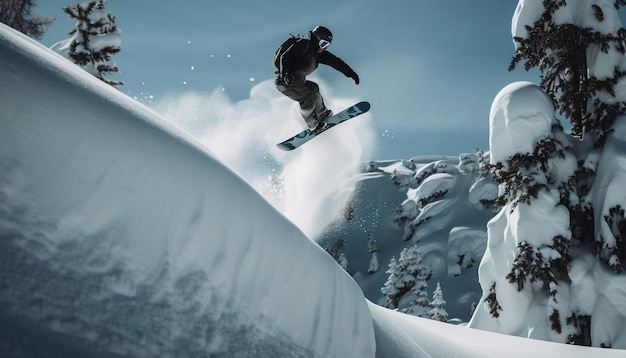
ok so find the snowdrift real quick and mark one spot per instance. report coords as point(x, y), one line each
point(120, 236)
point(402, 335)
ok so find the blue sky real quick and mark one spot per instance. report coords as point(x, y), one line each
point(430, 68)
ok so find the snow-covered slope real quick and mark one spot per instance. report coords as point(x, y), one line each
point(402, 335)
point(119, 236)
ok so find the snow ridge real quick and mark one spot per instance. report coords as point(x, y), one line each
point(113, 234)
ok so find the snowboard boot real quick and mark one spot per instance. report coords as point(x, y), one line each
point(325, 115)
point(321, 121)
point(322, 126)
point(316, 114)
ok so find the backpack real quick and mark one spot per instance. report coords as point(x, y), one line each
point(283, 47)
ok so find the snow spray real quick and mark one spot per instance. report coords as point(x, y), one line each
point(311, 185)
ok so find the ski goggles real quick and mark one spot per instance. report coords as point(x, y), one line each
point(324, 44)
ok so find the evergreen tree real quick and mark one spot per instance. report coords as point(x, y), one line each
point(524, 176)
point(560, 51)
point(438, 313)
point(572, 60)
point(528, 179)
point(419, 303)
point(18, 15)
point(391, 288)
point(404, 274)
point(96, 38)
point(374, 265)
point(372, 248)
point(565, 55)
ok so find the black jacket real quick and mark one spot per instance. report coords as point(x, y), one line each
point(299, 57)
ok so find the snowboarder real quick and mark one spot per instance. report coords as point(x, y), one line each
point(298, 57)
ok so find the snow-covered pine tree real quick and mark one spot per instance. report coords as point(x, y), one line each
point(418, 305)
point(438, 313)
point(391, 287)
point(95, 39)
point(580, 68)
point(403, 275)
point(579, 48)
point(374, 264)
point(523, 177)
point(532, 223)
point(560, 49)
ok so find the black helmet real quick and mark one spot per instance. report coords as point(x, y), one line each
point(323, 33)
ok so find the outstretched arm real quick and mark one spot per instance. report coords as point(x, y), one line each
point(335, 62)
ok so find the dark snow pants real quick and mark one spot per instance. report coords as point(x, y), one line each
point(307, 94)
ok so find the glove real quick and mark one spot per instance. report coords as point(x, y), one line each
point(288, 78)
point(355, 77)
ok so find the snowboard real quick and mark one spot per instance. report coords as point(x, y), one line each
point(306, 135)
